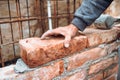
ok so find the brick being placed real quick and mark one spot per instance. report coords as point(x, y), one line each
point(35, 51)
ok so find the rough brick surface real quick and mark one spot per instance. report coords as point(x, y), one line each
point(112, 47)
point(106, 74)
point(98, 76)
point(79, 59)
point(96, 36)
point(36, 52)
point(95, 53)
point(77, 76)
point(112, 77)
point(110, 71)
point(101, 65)
point(43, 73)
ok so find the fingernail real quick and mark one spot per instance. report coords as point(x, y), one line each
point(66, 45)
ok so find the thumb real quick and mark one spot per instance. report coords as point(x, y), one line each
point(67, 41)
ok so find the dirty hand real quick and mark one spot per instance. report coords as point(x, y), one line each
point(68, 32)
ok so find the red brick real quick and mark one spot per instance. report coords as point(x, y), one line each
point(97, 36)
point(43, 73)
point(79, 59)
point(98, 76)
point(36, 52)
point(113, 46)
point(92, 54)
point(116, 58)
point(112, 77)
point(100, 66)
point(110, 71)
point(77, 76)
point(106, 75)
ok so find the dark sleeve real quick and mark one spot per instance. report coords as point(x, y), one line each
point(89, 10)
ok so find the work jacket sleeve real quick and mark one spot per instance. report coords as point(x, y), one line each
point(89, 10)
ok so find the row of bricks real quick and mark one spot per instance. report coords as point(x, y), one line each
point(75, 61)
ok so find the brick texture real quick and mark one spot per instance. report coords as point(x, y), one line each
point(77, 76)
point(113, 46)
point(103, 58)
point(101, 65)
point(98, 76)
point(95, 53)
point(43, 73)
point(106, 74)
point(36, 52)
point(79, 59)
point(112, 77)
point(110, 71)
point(96, 36)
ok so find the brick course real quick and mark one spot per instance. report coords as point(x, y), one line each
point(77, 76)
point(86, 58)
point(43, 73)
point(79, 59)
point(98, 76)
point(101, 65)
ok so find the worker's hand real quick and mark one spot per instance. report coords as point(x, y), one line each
point(68, 32)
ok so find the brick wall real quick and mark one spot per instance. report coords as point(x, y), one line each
point(35, 27)
point(96, 59)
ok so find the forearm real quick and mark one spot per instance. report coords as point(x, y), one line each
point(89, 10)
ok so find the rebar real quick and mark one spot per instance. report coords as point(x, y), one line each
point(40, 16)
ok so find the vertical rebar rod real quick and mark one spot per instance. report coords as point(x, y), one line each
point(41, 14)
point(57, 13)
point(74, 4)
point(44, 15)
point(2, 61)
point(68, 11)
point(36, 15)
point(11, 28)
point(55, 16)
point(19, 16)
point(28, 17)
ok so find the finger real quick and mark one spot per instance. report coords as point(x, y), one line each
point(46, 34)
point(67, 41)
point(54, 32)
